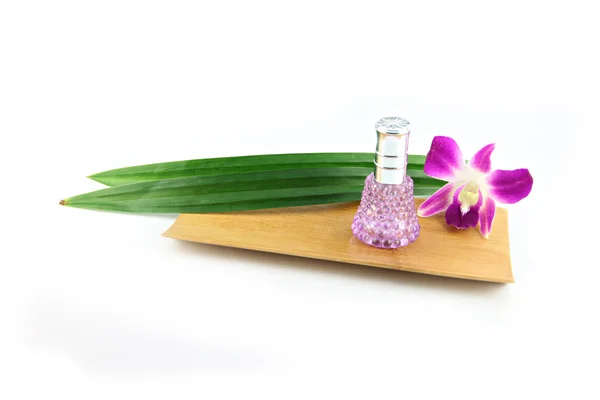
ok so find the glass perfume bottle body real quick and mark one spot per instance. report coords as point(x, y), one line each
point(386, 217)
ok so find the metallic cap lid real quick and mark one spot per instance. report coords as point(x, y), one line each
point(391, 154)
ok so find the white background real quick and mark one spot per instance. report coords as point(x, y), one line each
point(100, 306)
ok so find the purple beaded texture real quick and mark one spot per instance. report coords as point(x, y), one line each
point(386, 216)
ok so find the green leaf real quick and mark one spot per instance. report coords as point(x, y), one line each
point(239, 191)
point(245, 164)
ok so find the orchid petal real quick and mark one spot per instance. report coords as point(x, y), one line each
point(437, 202)
point(481, 160)
point(486, 216)
point(444, 159)
point(459, 219)
point(455, 217)
point(509, 187)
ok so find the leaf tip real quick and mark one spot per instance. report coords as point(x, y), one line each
point(63, 202)
point(98, 178)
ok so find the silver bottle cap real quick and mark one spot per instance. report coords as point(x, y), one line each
point(391, 154)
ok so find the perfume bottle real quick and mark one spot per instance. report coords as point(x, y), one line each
point(386, 217)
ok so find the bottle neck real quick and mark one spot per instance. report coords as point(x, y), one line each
point(390, 170)
point(391, 157)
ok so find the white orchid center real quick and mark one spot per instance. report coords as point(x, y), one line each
point(469, 194)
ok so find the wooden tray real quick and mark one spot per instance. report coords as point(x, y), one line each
point(323, 232)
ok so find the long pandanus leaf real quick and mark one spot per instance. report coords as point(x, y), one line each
point(239, 191)
point(246, 164)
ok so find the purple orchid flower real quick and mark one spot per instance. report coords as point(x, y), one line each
point(473, 189)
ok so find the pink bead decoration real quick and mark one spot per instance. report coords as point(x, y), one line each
point(386, 216)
